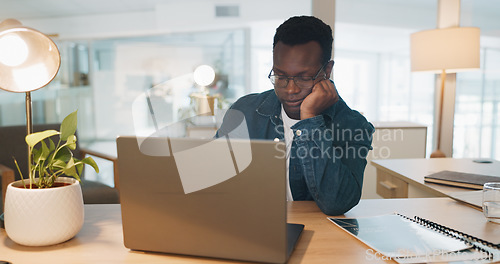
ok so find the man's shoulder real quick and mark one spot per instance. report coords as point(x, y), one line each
point(253, 100)
point(350, 117)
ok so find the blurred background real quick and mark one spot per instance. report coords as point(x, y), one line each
point(112, 51)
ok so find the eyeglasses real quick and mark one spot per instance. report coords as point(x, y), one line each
point(303, 82)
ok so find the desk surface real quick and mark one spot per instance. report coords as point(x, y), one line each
point(413, 171)
point(100, 240)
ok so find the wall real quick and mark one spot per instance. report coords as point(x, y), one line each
point(168, 17)
point(173, 16)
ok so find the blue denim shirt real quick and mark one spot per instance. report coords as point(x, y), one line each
point(328, 153)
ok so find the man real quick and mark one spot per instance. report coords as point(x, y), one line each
point(326, 141)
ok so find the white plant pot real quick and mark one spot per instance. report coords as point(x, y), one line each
point(42, 217)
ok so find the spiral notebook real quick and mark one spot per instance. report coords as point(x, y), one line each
point(416, 240)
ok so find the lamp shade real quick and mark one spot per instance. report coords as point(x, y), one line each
point(450, 49)
point(29, 60)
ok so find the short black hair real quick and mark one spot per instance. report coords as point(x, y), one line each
point(302, 29)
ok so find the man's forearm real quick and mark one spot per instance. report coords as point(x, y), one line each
point(332, 167)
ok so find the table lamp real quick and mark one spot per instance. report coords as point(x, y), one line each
point(29, 60)
point(203, 76)
point(444, 50)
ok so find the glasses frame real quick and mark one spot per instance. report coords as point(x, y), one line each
point(293, 78)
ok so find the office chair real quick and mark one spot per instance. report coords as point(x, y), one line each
point(12, 144)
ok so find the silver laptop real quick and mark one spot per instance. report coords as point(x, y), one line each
point(213, 198)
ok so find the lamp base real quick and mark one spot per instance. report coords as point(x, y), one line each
point(438, 154)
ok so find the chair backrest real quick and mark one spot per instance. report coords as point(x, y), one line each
point(13, 144)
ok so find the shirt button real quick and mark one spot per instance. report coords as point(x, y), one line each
point(298, 132)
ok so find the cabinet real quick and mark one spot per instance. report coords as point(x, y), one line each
point(392, 140)
point(405, 178)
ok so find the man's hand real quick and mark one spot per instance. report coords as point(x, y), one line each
point(323, 95)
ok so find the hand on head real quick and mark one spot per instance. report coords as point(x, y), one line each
point(323, 95)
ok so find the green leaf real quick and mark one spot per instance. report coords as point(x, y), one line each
point(77, 178)
point(68, 125)
point(45, 151)
point(70, 169)
point(63, 154)
point(58, 165)
point(33, 139)
point(52, 146)
point(36, 154)
point(79, 168)
point(90, 161)
point(71, 142)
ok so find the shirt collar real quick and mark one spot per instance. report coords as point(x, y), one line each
point(270, 106)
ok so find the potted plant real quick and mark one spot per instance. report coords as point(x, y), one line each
point(47, 208)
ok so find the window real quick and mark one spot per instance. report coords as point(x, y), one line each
point(477, 105)
point(101, 78)
point(372, 59)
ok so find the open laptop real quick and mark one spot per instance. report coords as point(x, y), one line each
point(212, 198)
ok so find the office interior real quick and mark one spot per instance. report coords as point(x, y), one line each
point(115, 50)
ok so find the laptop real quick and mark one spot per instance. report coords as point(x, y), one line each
point(213, 198)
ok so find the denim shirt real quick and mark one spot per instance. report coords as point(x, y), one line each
point(328, 153)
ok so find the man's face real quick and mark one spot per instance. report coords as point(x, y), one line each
point(297, 60)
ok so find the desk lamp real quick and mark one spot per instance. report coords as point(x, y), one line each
point(29, 60)
point(445, 50)
point(203, 76)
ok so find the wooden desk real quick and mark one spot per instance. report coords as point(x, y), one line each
point(404, 178)
point(100, 240)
